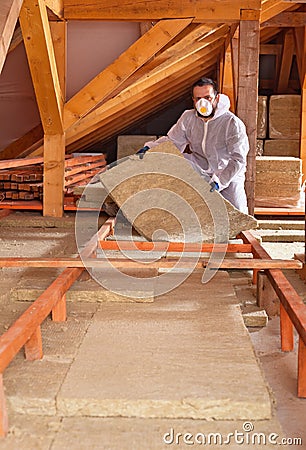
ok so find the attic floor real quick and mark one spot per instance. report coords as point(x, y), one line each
point(36, 425)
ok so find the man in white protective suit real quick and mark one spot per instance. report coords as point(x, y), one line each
point(214, 140)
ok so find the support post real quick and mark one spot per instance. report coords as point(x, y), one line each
point(3, 410)
point(54, 173)
point(266, 296)
point(286, 330)
point(59, 312)
point(248, 96)
point(302, 369)
point(33, 347)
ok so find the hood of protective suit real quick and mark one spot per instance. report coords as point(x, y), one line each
point(223, 106)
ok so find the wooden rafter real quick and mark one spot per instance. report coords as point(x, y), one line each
point(9, 13)
point(125, 65)
point(286, 19)
point(167, 68)
point(286, 62)
point(41, 58)
point(271, 8)
point(134, 100)
point(141, 10)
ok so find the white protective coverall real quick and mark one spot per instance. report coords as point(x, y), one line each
point(219, 147)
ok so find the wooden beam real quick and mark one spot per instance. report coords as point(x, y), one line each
point(38, 43)
point(271, 8)
point(165, 69)
point(16, 39)
point(9, 13)
point(248, 95)
point(300, 47)
point(286, 63)
point(141, 10)
point(228, 87)
point(286, 19)
point(227, 263)
point(57, 7)
point(126, 64)
point(31, 140)
point(54, 173)
point(303, 130)
point(59, 39)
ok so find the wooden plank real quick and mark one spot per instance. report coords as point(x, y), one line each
point(3, 410)
point(287, 19)
point(227, 263)
point(174, 246)
point(9, 13)
point(286, 63)
point(11, 163)
point(39, 48)
point(302, 369)
point(54, 172)
point(126, 64)
point(247, 97)
point(33, 347)
point(141, 10)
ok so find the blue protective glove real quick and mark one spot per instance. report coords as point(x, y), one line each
point(142, 151)
point(214, 186)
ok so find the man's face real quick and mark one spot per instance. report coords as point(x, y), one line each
point(206, 92)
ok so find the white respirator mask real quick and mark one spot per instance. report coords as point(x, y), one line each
point(204, 107)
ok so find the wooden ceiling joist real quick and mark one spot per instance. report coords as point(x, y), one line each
point(9, 12)
point(125, 65)
point(39, 47)
point(142, 10)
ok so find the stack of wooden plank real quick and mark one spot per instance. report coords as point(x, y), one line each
point(23, 180)
point(25, 183)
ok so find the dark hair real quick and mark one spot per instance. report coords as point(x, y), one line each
point(206, 82)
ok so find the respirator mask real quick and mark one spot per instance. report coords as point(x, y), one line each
point(204, 107)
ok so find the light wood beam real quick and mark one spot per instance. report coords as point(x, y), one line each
point(300, 47)
point(286, 19)
point(126, 64)
point(9, 12)
point(59, 39)
point(141, 10)
point(210, 44)
point(54, 170)
point(135, 97)
point(57, 7)
point(271, 8)
point(248, 96)
point(39, 47)
point(286, 63)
